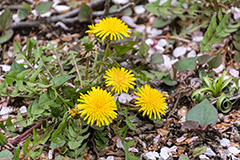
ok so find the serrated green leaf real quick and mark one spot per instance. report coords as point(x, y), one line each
point(36, 152)
point(16, 154)
point(127, 145)
point(35, 137)
point(151, 7)
point(3, 139)
point(58, 81)
point(208, 34)
point(72, 132)
point(84, 130)
point(57, 142)
point(43, 7)
point(22, 75)
point(79, 151)
point(17, 68)
point(74, 144)
point(20, 86)
point(9, 124)
point(25, 146)
point(31, 43)
point(83, 137)
point(16, 47)
point(160, 22)
point(131, 125)
point(60, 126)
point(33, 77)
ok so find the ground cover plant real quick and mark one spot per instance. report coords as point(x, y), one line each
point(114, 79)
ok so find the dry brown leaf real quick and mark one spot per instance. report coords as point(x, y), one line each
point(66, 39)
point(162, 132)
point(221, 127)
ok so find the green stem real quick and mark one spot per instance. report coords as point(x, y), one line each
point(105, 56)
point(76, 67)
point(95, 59)
point(87, 68)
point(42, 77)
point(50, 74)
point(59, 62)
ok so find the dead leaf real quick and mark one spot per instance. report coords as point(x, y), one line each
point(221, 127)
point(66, 39)
point(162, 132)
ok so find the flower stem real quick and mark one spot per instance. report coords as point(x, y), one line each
point(87, 68)
point(105, 56)
point(60, 63)
point(78, 73)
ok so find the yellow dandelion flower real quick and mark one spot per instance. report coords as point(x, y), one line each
point(111, 26)
point(120, 78)
point(97, 105)
point(151, 101)
point(73, 112)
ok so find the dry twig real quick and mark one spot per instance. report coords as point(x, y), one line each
point(70, 17)
point(17, 139)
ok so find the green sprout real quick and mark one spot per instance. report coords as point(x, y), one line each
point(217, 88)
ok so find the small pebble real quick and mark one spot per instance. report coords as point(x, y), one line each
point(221, 117)
point(146, 127)
point(226, 136)
point(237, 137)
point(142, 143)
point(48, 35)
point(149, 137)
point(169, 143)
point(142, 136)
point(237, 124)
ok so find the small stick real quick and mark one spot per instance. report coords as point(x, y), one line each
point(17, 139)
point(172, 37)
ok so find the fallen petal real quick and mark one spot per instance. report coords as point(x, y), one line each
point(210, 152)
point(152, 155)
point(139, 9)
point(233, 150)
point(225, 142)
point(179, 51)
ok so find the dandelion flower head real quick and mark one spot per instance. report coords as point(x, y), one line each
point(73, 112)
point(120, 79)
point(111, 26)
point(97, 105)
point(151, 101)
